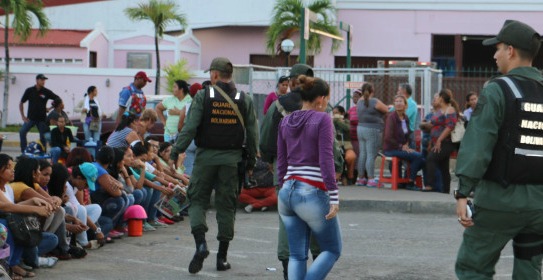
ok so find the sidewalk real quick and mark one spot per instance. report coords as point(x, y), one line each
point(352, 198)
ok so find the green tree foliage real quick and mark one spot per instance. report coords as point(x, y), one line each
point(177, 71)
point(161, 13)
point(21, 11)
point(285, 23)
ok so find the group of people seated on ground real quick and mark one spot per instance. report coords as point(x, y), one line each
point(377, 128)
point(81, 200)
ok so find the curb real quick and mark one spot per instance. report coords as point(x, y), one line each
point(412, 207)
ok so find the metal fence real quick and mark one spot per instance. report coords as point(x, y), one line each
point(462, 82)
point(261, 80)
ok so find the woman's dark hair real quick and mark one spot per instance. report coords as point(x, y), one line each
point(59, 177)
point(183, 85)
point(311, 88)
point(44, 164)
point(113, 170)
point(139, 149)
point(78, 156)
point(367, 89)
point(470, 94)
point(340, 109)
point(56, 102)
point(163, 146)
point(24, 170)
point(4, 161)
point(105, 155)
point(282, 79)
point(76, 172)
point(90, 89)
point(126, 120)
point(447, 96)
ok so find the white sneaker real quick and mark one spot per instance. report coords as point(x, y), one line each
point(248, 208)
point(264, 209)
point(47, 262)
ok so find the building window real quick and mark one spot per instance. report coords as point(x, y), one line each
point(138, 60)
point(93, 57)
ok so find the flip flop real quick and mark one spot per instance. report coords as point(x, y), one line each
point(21, 272)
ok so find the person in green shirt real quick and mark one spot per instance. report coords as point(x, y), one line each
point(174, 106)
point(222, 121)
point(505, 207)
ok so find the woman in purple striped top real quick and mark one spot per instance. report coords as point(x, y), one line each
point(309, 200)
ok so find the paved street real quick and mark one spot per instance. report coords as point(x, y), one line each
point(376, 246)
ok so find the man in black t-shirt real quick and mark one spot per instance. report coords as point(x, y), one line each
point(37, 97)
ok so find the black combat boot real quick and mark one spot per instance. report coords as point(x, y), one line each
point(222, 264)
point(199, 256)
point(285, 268)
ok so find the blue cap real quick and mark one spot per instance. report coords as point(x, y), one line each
point(90, 172)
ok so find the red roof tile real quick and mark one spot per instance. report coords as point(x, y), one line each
point(54, 37)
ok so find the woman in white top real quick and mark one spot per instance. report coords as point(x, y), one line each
point(35, 206)
point(174, 106)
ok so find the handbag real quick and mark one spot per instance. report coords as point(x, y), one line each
point(25, 229)
point(94, 125)
point(459, 130)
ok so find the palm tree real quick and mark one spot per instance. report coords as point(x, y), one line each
point(161, 13)
point(285, 23)
point(22, 26)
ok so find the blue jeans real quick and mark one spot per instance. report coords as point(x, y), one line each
point(149, 205)
point(139, 196)
point(49, 241)
point(303, 209)
point(114, 208)
point(89, 133)
point(55, 154)
point(414, 158)
point(190, 155)
point(42, 127)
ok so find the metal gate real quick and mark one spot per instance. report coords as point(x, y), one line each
point(262, 80)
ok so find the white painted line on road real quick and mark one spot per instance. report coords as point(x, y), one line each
point(146, 263)
point(253, 239)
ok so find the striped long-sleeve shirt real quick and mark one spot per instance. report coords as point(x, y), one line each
point(305, 151)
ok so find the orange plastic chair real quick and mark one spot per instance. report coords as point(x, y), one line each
point(395, 177)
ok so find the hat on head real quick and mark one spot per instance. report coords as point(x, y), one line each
point(41, 77)
point(142, 75)
point(194, 88)
point(90, 172)
point(221, 64)
point(518, 35)
point(301, 69)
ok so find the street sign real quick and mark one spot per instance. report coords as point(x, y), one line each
point(353, 85)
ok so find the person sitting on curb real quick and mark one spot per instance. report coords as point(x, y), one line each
point(259, 191)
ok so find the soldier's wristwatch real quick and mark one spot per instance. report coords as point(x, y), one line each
point(458, 195)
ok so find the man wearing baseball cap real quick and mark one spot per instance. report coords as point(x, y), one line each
point(37, 97)
point(132, 98)
point(500, 161)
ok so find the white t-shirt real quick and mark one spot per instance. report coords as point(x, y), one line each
point(9, 193)
point(149, 168)
point(70, 192)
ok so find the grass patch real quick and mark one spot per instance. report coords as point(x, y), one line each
point(16, 128)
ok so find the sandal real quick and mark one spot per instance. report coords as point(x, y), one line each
point(427, 189)
point(17, 270)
